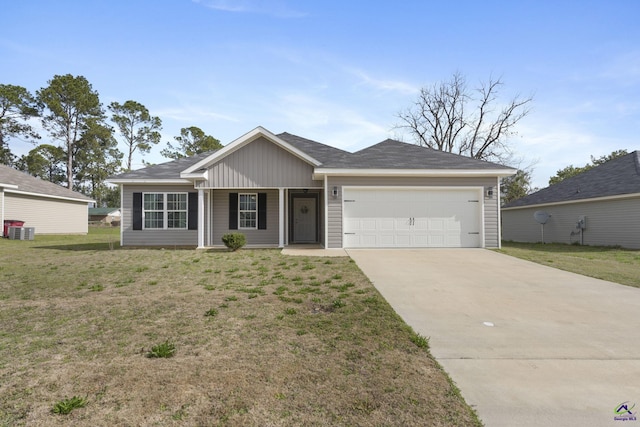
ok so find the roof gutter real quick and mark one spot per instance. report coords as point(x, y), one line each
point(319, 173)
point(571, 202)
point(49, 196)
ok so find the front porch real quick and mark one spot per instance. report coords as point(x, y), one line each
point(268, 217)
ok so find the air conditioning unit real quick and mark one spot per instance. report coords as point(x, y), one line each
point(21, 233)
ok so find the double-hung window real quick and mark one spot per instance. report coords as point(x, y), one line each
point(248, 211)
point(163, 211)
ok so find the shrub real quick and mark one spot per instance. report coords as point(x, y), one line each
point(234, 241)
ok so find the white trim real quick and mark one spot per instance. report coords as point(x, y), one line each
point(165, 211)
point(241, 142)
point(318, 172)
point(499, 192)
point(258, 188)
point(571, 202)
point(149, 181)
point(2, 210)
point(326, 211)
point(256, 210)
point(281, 222)
point(209, 220)
point(122, 212)
point(200, 217)
point(48, 196)
point(8, 186)
point(479, 189)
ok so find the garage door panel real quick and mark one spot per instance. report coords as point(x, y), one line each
point(412, 218)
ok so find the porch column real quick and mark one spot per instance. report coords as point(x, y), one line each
point(281, 217)
point(200, 218)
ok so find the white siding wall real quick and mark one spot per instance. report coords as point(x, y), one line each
point(48, 216)
point(609, 223)
point(263, 164)
point(131, 237)
point(334, 221)
point(268, 237)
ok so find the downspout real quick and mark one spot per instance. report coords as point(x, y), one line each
point(200, 218)
point(498, 195)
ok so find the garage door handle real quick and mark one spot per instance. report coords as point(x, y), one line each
point(349, 233)
point(473, 232)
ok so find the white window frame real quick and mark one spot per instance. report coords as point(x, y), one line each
point(241, 211)
point(165, 211)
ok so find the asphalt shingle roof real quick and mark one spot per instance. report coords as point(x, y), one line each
point(167, 170)
point(392, 154)
point(616, 177)
point(389, 154)
point(31, 184)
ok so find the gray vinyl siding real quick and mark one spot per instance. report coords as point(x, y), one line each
point(220, 219)
point(47, 215)
point(334, 207)
point(261, 164)
point(131, 237)
point(609, 223)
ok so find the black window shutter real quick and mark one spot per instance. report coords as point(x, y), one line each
point(192, 214)
point(233, 211)
point(137, 211)
point(262, 211)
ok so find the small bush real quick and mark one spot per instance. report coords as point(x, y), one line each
point(67, 405)
point(164, 350)
point(234, 241)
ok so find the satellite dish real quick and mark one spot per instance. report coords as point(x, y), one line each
point(541, 217)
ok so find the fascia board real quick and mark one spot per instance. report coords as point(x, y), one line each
point(320, 172)
point(8, 186)
point(48, 196)
point(244, 140)
point(149, 181)
point(572, 202)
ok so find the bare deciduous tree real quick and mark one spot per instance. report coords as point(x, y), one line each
point(451, 117)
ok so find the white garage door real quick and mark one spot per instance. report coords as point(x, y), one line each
point(405, 218)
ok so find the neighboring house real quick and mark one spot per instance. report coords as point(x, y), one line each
point(48, 207)
point(284, 189)
point(104, 215)
point(598, 207)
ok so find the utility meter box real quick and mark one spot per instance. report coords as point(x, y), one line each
point(582, 222)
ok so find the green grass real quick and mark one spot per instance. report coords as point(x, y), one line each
point(607, 263)
point(261, 339)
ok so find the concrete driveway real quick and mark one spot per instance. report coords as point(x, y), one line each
point(527, 345)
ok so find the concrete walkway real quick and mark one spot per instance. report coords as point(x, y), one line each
point(527, 345)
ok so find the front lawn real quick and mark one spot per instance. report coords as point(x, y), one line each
point(95, 335)
point(607, 263)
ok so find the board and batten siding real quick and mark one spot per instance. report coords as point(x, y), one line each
point(334, 206)
point(131, 237)
point(220, 219)
point(609, 223)
point(261, 164)
point(47, 215)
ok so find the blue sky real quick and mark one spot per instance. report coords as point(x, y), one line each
point(339, 72)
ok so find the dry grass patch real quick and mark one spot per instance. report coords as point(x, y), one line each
point(258, 338)
point(607, 263)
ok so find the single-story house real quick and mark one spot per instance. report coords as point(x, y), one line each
point(43, 205)
point(283, 189)
point(104, 215)
point(598, 207)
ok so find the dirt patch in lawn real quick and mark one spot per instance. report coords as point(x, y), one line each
point(260, 339)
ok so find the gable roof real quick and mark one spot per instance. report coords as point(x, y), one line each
point(387, 157)
point(616, 177)
point(245, 139)
point(15, 181)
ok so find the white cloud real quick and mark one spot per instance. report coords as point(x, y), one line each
point(385, 85)
point(273, 8)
